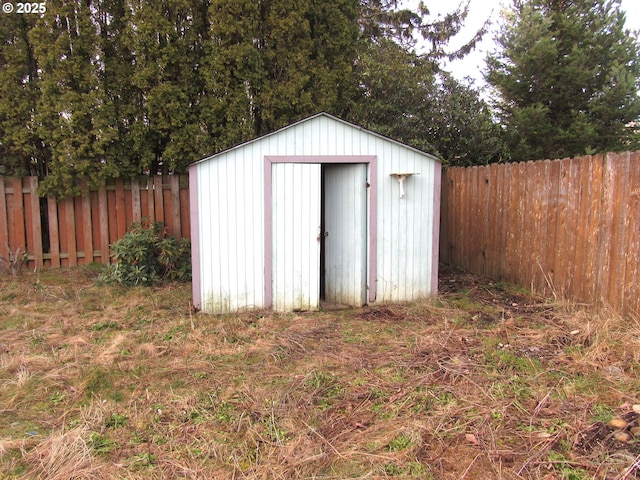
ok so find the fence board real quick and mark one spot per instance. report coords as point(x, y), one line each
point(509, 254)
point(511, 251)
point(103, 222)
point(54, 233)
point(456, 224)
point(471, 225)
point(158, 203)
point(606, 230)
point(17, 238)
point(482, 212)
point(121, 218)
point(451, 231)
point(566, 227)
point(521, 201)
point(582, 216)
point(619, 184)
point(595, 214)
point(559, 182)
point(444, 221)
point(174, 183)
point(529, 256)
point(70, 228)
point(542, 206)
point(88, 229)
point(502, 224)
point(78, 231)
point(185, 217)
point(36, 222)
point(632, 267)
point(136, 206)
point(4, 223)
point(151, 212)
point(493, 200)
point(550, 220)
point(572, 237)
point(465, 252)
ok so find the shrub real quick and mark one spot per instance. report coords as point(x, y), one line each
point(146, 255)
point(14, 262)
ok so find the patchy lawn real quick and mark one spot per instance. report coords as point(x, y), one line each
point(483, 382)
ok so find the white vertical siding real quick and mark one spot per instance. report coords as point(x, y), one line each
point(405, 227)
point(231, 214)
point(345, 217)
point(296, 230)
point(231, 226)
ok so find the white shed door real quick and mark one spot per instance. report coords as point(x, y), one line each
point(345, 231)
point(296, 230)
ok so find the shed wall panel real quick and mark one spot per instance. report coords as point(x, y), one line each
point(405, 227)
point(231, 227)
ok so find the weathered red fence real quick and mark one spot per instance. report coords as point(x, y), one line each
point(79, 230)
point(568, 227)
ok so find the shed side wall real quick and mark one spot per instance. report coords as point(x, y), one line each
point(196, 266)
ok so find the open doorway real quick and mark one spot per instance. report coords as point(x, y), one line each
point(343, 238)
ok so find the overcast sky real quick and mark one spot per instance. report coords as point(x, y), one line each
point(480, 10)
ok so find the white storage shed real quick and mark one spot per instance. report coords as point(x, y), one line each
point(321, 210)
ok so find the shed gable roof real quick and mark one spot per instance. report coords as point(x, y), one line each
point(314, 118)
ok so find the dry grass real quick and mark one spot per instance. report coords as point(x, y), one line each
point(483, 382)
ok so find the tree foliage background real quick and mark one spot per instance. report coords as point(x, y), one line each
point(100, 89)
point(567, 75)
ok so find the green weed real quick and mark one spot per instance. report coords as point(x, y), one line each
point(101, 444)
point(115, 420)
point(400, 442)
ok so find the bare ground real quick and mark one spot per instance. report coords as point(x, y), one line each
point(485, 381)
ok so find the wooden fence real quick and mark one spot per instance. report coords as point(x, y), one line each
point(79, 230)
point(568, 228)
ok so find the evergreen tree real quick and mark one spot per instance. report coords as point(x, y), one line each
point(409, 97)
point(567, 76)
point(67, 48)
point(460, 124)
point(121, 90)
point(168, 41)
point(119, 111)
point(271, 62)
point(403, 98)
point(99, 89)
point(233, 71)
point(395, 85)
point(382, 20)
point(22, 151)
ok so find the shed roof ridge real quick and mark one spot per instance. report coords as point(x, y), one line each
point(310, 118)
